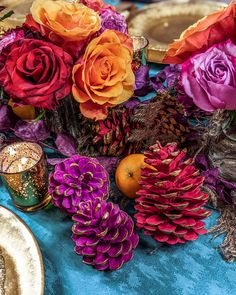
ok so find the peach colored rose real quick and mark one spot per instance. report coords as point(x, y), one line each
point(69, 25)
point(71, 21)
point(215, 28)
point(103, 77)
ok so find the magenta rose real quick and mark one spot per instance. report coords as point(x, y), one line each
point(209, 78)
point(35, 72)
point(112, 20)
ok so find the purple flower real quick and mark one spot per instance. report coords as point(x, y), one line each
point(142, 81)
point(109, 163)
point(66, 144)
point(213, 181)
point(209, 78)
point(166, 78)
point(11, 36)
point(113, 21)
point(32, 131)
point(7, 118)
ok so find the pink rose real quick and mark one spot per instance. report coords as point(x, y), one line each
point(209, 78)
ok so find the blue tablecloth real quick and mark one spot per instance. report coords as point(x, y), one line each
point(195, 268)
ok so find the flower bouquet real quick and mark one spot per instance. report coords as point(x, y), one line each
point(72, 65)
point(68, 77)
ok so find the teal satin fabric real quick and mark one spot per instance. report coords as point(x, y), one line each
point(195, 268)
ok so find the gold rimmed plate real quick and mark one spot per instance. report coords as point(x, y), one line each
point(20, 7)
point(21, 264)
point(161, 23)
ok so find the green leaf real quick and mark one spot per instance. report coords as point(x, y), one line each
point(40, 116)
point(8, 14)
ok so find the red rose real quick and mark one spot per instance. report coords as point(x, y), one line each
point(35, 72)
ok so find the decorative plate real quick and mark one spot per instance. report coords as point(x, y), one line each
point(20, 7)
point(161, 23)
point(21, 264)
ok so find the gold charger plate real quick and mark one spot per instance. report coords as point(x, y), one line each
point(161, 23)
point(21, 264)
point(20, 7)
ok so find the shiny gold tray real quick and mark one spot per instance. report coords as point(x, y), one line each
point(20, 7)
point(161, 23)
point(21, 264)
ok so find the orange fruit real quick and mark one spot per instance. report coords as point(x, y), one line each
point(25, 112)
point(128, 174)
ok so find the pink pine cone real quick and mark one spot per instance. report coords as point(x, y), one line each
point(104, 235)
point(78, 179)
point(170, 203)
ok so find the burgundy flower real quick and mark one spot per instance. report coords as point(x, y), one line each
point(35, 72)
point(104, 235)
point(78, 179)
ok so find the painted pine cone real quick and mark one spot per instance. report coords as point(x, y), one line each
point(170, 198)
point(112, 135)
point(78, 179)
point(104, 235)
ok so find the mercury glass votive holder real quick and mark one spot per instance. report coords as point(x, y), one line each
point(24, 172)
point(140, 44)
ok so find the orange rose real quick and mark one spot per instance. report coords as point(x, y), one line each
point(71, 21)
point(103, 77)
point(69, 25)
point(215, 28)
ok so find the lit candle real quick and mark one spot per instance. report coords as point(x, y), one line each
point(23, 170)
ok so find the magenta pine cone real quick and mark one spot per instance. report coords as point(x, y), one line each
point(78, 179)
point(104, 235)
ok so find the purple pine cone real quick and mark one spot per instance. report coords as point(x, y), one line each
point(78, 179)
point(112, 20)
point(104, 235)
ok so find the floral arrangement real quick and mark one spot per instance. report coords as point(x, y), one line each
point(68, 82)
point(52, 55)
point(206, 84)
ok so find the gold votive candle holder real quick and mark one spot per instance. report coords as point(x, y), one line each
point(140, 44)
point(24, 172)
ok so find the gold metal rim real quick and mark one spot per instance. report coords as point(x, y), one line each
point(23, 142)
point(141, 18)
point(37, 207)
point(36, 244)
